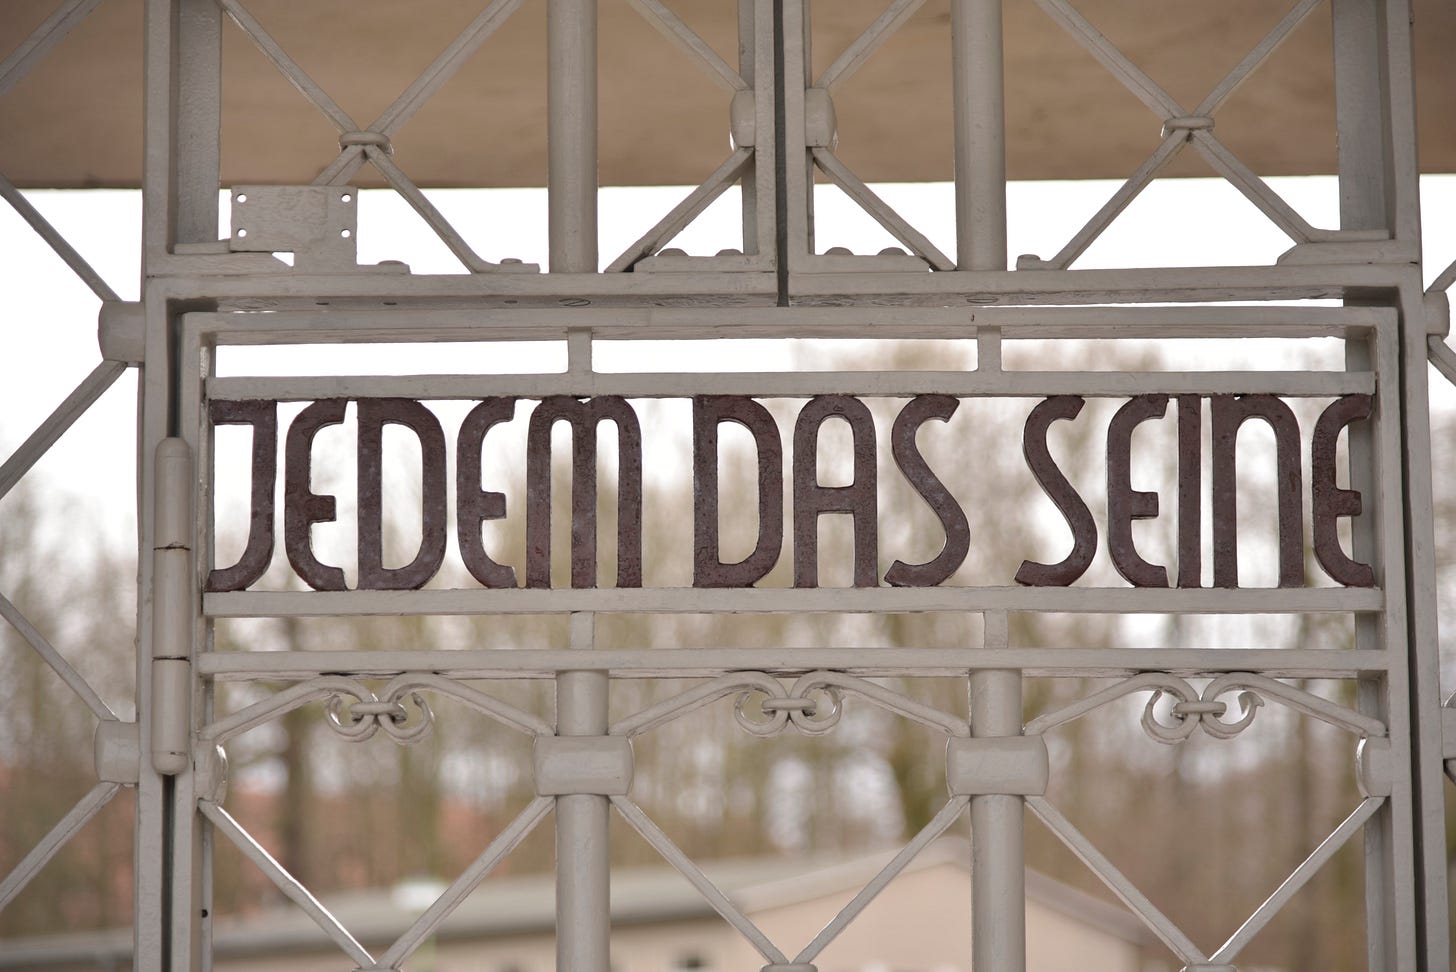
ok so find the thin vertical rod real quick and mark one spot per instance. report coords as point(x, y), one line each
point(571, 28)
point(998, 875)
point(980, 134)
point(582, 865)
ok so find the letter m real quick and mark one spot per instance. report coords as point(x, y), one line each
point(584, 417)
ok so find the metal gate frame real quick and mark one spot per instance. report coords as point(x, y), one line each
point(201, 291)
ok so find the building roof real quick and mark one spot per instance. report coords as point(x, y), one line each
point(664, 121)
point(525, 904)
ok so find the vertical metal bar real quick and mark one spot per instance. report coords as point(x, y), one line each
point(571, 31)
point(583, 923)
point(1428, 786)
point(1406, 881)
point(795, 211)
point(747, 70)
point(1364, 204)
point(180, 182)
point(978, 85)
point(998, 869)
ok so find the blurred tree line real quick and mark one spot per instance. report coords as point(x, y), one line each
point(1206, 829)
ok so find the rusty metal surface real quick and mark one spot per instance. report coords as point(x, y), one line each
point(262, 416)
point(473, 504)
point(1229, 413)
point(858, 499)
point(583, 417)
point(302, 507)
point(1125, 504)
point(917, 473)
point(1329, 501)
point(710, 411)
point(1061, 492)
point(1190, 491)
point(374, 414)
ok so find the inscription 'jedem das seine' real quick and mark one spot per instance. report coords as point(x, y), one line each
point(302, 508)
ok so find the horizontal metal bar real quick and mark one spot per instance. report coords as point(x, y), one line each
point(183, 277)
point(877, 660)
point(326, 325)
point(864, 384)
point(673, 600)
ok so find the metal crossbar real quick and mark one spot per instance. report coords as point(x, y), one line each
point(40, 41)
point(55, 660)
point(86, 808)
point(56, 241)
point(1157, 922)
point(1306, 870)
point(223, 823)
point(1176, 136)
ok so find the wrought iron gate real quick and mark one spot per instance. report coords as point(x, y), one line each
point(204, 292)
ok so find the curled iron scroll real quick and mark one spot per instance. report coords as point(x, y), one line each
point(1194, 710)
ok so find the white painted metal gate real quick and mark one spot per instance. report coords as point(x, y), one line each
point(1360, 284)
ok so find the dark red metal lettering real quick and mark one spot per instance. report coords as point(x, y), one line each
point(1190, 491)
point(1330, 502)
point(374, 415)
point(1125, 504)
point(258, 554)
point(473, 504)
point(710, 411)
point(857, 499)
point(917, 473)
point(584, 416)
point(1229, 413)
point(302, 508)
point(1060, 492)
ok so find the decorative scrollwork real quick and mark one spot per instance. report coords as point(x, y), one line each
point(362, 719)
point(357, 713)
point(813, 713)
point(1192, 710)
point(813, 705)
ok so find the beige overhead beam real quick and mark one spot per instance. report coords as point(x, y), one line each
point(74, 119)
